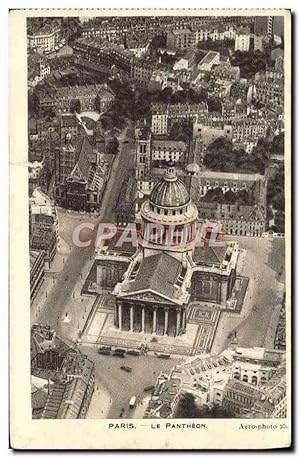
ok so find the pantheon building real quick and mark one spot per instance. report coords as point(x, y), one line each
point(167, 272)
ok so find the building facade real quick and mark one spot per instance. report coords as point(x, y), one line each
point(37, 271)
point(68, 373)
point(45, 39)
point(153, 295)
point(88, 97)
point(80, 174)
point(242, 41)
point(164, 115)
point(180, 38)
point(165, 271)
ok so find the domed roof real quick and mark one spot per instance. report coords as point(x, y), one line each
point(169, 191)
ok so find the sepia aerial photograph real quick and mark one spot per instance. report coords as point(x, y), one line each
point(156, 180)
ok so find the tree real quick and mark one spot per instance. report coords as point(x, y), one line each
point(275, 199)
point(261, 154)
point(221, 46)
point(33, 104)
point(279, 221)
point(243, 197)
point(159, 41)
point(276, 188)
point(75, 106)
point(182, 130)
point(214, 195)
point(250, 62)
point(112, 147)
point(98, 103)
point(230, 197)
point(187, 408)
point(277, 145)
point(214, 104)
point(220, 155)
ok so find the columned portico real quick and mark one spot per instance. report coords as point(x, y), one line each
point(154, 319)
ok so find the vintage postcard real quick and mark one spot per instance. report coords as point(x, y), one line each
point(150, 229)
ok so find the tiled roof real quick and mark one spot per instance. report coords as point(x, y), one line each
point(82, 167)
point(158, 273)
point(54, 401)
point(208, 57)
point(209, 255)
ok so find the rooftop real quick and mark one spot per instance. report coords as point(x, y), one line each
point(209, 255)
point(181, 31)
point(211, 55)
point(211, 174)
point(158, 273)
point(41, 203)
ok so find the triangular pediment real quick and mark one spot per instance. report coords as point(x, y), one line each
point(149, 296)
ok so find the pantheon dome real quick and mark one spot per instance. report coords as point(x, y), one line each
point(170, 191)
point(169, 206)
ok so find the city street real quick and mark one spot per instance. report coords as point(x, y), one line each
point(119, 385)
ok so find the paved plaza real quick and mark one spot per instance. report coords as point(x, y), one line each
point(100, 330)
point(262, 261)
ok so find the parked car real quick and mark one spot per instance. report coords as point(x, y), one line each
point(132, 402)
point(163, 355)
point(126, 368)
point(102, 351)
point(133, 352)
point(119, 352)
point(149, 388)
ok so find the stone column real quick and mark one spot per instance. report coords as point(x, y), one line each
point(116, 322)
point(166, 321)
point(154, 320)
point(120, 317)
point(177, 322)
point(223, 293)
point(131, 318)
point(184, 319)
point(143, 318)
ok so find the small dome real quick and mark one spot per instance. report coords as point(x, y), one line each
point(169, 191)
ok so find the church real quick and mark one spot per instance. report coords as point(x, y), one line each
point(167, 270)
